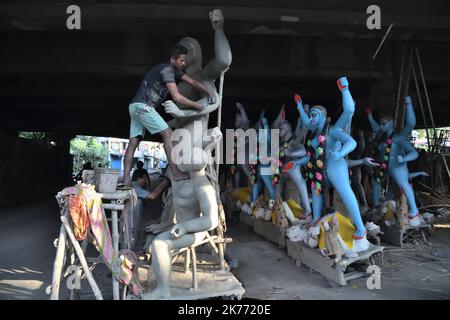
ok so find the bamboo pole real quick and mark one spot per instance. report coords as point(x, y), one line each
point(219, 122)
point(113, 206)
point(221, 246)
point(125, 225)
point(84, 244)
point(419, 95)
point(194, 269)
point(124, 293)
point(406, 86)
point(187, 260)
point(115, 238)
point(445, 164)
point(399, 89)
point(79, 251)
point(426, 91)
point(59, 260)
point(435, 206)
point(382, 41)
point(218, 151)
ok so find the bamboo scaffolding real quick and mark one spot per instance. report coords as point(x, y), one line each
point(84, 265)
point(115, 239)
point(59, 259)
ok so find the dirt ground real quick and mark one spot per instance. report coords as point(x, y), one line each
point(27, 252)
point(411, 272)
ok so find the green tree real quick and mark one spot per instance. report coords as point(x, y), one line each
point(87, 149)
point(34, 135)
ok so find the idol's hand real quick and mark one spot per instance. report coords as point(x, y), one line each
point(369, 162)
point(177, 231)
point(342, 83)
point(217, 19)
point(171, 108)
point(335, 155)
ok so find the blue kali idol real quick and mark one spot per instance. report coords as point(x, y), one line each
point(394, 151)
point(327, 146)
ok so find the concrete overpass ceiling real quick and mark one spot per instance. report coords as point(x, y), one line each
point(83, 80)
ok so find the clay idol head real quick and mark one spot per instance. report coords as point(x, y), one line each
point(387, 124)
point(317, 117)
point(285, 129)
point(194, 56)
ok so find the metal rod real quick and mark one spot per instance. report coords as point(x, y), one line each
point(382, 41)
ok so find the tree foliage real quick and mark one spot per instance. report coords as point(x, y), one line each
point(87, 149)
point(34, 135)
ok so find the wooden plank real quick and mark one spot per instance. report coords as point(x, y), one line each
point(271, 232)
point(58, 264)
point(248, 220)
point(312, 258)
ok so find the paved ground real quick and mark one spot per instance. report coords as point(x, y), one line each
point(415, 272)
point(26, 249)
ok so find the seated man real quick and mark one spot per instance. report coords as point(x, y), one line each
point(140, 167)
point(140, 186)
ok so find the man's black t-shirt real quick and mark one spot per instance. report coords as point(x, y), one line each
point(153, 89)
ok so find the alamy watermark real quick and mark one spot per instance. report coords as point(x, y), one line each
point(74, 19)
point(374, 20)
point(251, 146)
point(374, 280)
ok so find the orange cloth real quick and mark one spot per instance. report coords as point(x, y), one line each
point(78, 213)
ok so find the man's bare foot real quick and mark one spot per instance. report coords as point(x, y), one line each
point(127, 182)
point(156, 294)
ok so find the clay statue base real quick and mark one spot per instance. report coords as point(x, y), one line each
point(212, 282)
point(312, 258)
